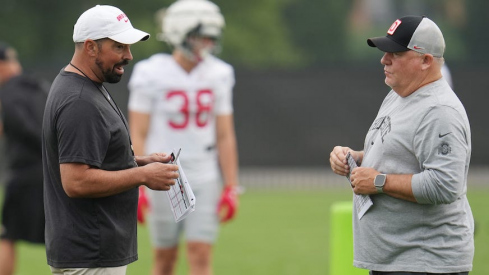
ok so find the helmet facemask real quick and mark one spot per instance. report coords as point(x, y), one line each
point(199, 44)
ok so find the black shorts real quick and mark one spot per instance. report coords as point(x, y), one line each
point(23, 213)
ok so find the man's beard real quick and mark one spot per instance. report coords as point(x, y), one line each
point(109, 75)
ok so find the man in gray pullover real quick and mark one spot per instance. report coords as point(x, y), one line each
point(414, 163)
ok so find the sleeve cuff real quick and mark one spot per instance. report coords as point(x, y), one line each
point(417, 187)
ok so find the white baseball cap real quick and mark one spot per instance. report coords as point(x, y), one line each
point(103, 21)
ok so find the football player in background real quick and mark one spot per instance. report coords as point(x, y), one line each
point(184, 100)
point(23, 97)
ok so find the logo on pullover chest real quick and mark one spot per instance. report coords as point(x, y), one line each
point(383, 124)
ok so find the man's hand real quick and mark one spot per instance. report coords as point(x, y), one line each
point(228, 204)
point(338, 161)
point(160, 176)
point(143, 204)
point(156, 157)
point(362, 180)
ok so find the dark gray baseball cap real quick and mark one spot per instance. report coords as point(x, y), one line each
point(417, 33)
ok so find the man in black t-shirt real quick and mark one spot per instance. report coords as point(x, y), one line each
point(91, 176)
point(23, 98)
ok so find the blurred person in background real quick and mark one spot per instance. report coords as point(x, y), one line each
point(414, 164)
point(22, 98)
point(91, 175)
point(445, 72)
point(184, 100)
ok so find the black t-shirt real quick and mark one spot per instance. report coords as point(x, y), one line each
point(23, 98)
point(80, 126)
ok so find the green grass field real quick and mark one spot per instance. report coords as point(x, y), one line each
point(276, 232)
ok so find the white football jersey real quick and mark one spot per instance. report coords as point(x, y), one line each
point(183, 107)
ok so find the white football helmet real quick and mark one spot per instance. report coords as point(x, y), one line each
point(186, 18)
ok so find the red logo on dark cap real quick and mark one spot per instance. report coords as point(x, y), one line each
point(393, 27)
point(122, 16)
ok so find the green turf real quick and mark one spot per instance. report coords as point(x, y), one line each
point(276, 232)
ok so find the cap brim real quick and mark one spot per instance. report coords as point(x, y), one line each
point(386, 44)
point(130, 36)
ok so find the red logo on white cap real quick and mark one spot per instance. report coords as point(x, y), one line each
point(122, 16)
point(393, 27)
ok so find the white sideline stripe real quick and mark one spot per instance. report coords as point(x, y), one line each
point(320, 178)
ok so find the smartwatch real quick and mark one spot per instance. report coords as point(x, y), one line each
point(379, 182)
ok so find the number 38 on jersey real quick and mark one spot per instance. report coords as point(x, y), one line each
point(188, 109)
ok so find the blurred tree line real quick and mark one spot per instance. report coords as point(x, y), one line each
point(259, 34)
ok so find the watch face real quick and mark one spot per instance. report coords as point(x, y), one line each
point(379, 180)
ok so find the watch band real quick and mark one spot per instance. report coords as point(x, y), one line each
point(379, 189)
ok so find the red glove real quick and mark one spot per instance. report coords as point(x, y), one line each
point(143, 204)
point(228, 204)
